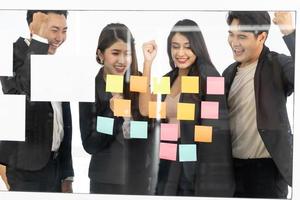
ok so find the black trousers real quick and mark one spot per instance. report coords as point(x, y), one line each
point(258, 178)
point(44, 180)
point(106, 188)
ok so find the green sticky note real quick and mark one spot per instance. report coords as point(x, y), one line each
point(139, 129)
point(187, 152)
point(114, 83)
point(105, 125)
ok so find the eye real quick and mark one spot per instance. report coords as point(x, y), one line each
point(175, 46)
point(242, 37)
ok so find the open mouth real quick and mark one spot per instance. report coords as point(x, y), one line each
point(120, 69)
point(182, 60)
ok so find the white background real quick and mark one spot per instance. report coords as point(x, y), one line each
point(85, 26)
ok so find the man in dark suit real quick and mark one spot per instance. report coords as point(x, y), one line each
point(257, 86)
point(43, 162)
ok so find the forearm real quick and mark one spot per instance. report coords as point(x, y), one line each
point(144, 98)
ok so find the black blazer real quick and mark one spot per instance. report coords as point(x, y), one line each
point(273, 83)
point(115, 160)
point(34, 153)
point(212, 174)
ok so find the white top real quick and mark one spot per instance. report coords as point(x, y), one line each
point(246, 140)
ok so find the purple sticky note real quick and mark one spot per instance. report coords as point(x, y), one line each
point(169, 132)
point(210, 110)
point(167, 151)
point(215, 85)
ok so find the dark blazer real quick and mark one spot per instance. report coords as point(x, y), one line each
point(115, 160)
point(34, 153)
point(273, 83)
point(212, 174)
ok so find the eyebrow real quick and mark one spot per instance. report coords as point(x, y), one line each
point(56, 27)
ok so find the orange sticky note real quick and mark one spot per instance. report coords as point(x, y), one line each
point(161, 85)
point(185, 111)
point(203, 134)
point(122, 108)
point(114, 83)
point(157, 109)
point(189, 84)
point(138, 84)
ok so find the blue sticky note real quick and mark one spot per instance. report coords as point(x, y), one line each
point(139, 129)
point(187, 152)
point(105, 125)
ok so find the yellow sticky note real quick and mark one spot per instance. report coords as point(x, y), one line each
point(189, 84)
point(138, 84)
point(157, 109)
point(203, 134)
point(161, 85)
point(114, 83)
point(122, 108)
point(185, 111)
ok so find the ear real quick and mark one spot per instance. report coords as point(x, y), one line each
point(262, 37)
point(99, 54)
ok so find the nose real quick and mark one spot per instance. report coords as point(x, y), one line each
point(122, 59)
point(233, 41)
point(181, 51)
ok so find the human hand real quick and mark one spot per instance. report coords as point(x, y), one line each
point(111, 101)
point(149, 51)
point(39, 24)
point(66, 186)
point(284, 21)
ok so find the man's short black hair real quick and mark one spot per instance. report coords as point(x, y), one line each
point(31, 12)
point(257, 21)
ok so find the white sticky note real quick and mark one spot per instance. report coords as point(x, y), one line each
point(12, 117)
point(62, 78)
point(6, 49)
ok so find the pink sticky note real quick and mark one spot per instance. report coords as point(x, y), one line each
point(168, 151)
point(209, 110)
point(215, 85)
point(169, 132)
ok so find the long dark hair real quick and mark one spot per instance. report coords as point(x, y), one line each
point(192, 32)
point(109, 35)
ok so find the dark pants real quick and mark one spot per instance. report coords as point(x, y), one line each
point(44, 180)
point(258, 178)
point(106, 188)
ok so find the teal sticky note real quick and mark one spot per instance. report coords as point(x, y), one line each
point(139, 129)
point(187, 152)
point(105, 125)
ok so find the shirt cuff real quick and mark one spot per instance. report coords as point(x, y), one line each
point(39, 38)
point(70, 178)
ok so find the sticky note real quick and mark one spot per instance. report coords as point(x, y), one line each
point(139, 129)
point(122, 107)
point(157, 109)
point(139, 84)
point(114, 83)
point(168, 132)
point(187, 152)
point(12, 117)
point(203, 134)
point(215, 85)
point(189, 84)
point(161, 85)
point(185, 111)
point(105, 125)
point(209, 110)
point(167, 151)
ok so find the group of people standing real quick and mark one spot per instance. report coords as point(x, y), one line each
point(251, 150)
